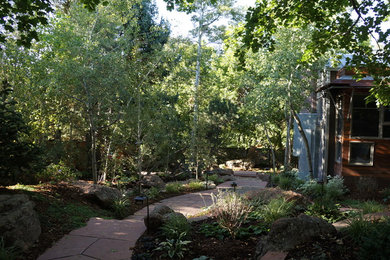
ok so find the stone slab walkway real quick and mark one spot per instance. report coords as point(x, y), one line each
point(110, 239)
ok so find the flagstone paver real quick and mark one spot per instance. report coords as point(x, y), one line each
point(111, 239)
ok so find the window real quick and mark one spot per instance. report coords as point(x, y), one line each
point(365, 117)
point(386, 123)
point(361, 153)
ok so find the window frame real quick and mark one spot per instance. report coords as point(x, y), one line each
point(381, 122)
point(372, 152)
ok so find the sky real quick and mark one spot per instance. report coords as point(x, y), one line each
point(180, 22)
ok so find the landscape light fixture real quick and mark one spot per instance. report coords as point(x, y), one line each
point(139, 200)
point(234, 185)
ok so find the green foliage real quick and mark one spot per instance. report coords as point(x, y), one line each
point(175, 226)
point(325, 209)
point(173, 187)
point(369, 206)
point(372, 238)
point(121, 207)
point(174, 248)
point(56, 172)
point(153, 192)
point(348, 24)
point(332, 190)
point(7, 253)
point(230, 210)
point(195, 185)
point(276, 209)
point(202, 257)
point(252, 230)
point(385, 194)
point(76, 215)
point(18, 156)
point(215, 178)
point(213, 229)
point(287, 180)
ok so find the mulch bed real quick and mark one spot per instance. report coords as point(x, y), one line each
point(201, 245)
point(334, 248)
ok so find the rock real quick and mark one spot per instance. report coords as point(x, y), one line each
point(167, 217)
point(264, 176)
point(149, 181)
point(286, 233)
point(242, 164)
point(19, 223)
point(159, 216)
point(103, 194)
point(222, 172)
point(162, 209)
point(226, 178)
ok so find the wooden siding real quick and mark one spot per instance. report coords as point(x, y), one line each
point(381, 160)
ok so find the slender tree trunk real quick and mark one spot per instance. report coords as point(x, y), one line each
point(92, 130)
point(272, 148)
point(306, 143)
point(194, 141)
point(139, 141)
point(103, 178)
point(287, 151)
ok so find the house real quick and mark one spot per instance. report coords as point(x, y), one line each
point(348, 136)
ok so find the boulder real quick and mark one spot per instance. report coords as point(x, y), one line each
point(149, 181)
point(159, 216)
point(19, 223)
point(226, 178)
point(167, 217)
point(242, 164)
point(103, 194)
point(287, 233)
point(222, 172)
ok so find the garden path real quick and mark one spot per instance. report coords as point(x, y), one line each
point(111, 239)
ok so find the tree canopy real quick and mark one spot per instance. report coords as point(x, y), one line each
point(342, 25)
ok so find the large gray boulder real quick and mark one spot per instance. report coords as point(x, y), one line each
point(159, 216)
point(287, 233)
point(149, 181)
point(19, 223)
point(104, 195)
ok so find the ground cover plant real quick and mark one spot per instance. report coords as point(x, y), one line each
point(371, 237)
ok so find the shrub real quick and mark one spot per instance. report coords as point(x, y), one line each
point(195, 185)
point(276, 209)
point(7, 253)
point(335, 188)
point(230, 210)
point(214, 230)
point(372, 238)
point(287, 180)
point(57, 172)
point(369, 206)
point(121, 207)
point(312, 189)
point(174, 248)
point(385, 194)
point(332, 190)
point(153, 193)
point(325, 209)
point(215, 178)
point(175, 226)
point(19, 157)
point(173, 187)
